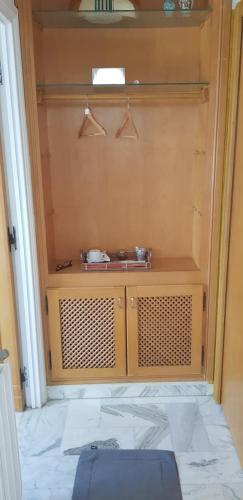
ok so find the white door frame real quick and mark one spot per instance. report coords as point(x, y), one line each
point(20, 205)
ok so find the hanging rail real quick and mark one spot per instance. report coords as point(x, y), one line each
point(199, 94)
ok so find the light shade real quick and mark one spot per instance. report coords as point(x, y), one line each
point(108, 76)
point(119, 5)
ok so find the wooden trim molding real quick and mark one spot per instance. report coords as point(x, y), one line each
point(219, 134)
point(229, 154)
point(28, 64)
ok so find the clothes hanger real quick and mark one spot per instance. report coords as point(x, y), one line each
point(74, 4)
point(127, 123)
point(90, 119)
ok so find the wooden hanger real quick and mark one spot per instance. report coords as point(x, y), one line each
point(127, 119)
point(74, 5)
point(89, 117)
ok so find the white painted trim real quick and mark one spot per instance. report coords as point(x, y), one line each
point(10, 478)
point(20, 205)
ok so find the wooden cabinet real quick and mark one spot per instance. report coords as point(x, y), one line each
point(164, 330)
point(161, 190)
point(88, 332)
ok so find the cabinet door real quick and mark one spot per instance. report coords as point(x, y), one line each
point(164, 326)
point(87, 333)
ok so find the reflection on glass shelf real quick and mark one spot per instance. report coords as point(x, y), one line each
point(137, 87)
point(121, 19)
point(139, 91)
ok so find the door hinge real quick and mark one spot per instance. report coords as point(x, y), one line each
point(50, 360)
point(1, 75)
point(12, 239)
point(204, 301)
point(23, 376)
point(46, 304)
point(203, 355)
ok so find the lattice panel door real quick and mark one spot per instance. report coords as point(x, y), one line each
point(164, 330)
point(87, 331)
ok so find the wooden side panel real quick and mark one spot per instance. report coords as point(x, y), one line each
point(8, 322)
point(164, 325)
point(232, 387)
point(215, 51)
point(44, 148)
point(87, 333)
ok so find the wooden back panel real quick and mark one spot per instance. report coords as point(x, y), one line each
point(113, 193)
point(110, 193)
point(149, 55)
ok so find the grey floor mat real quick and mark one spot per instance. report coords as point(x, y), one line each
point(127, 475)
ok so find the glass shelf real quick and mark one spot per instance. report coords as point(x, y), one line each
point(135, 91)
point(121, 19)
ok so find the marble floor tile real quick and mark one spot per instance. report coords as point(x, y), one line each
point(36, 494)
point(203, 492)
point(212, 492)
point(152, 438)
point(40, 431)
point(102, 437)
point(177, 389)
point(187, 429)
point(211, 412)
point(48, 494)
point(49, 472)
point(233, 491)
point(209, 468)
point(83, 413)
point(193, 426)
point(133, 415)
point(220, 437)
point(149, 400)
point(94, 391)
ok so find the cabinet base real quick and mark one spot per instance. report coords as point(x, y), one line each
point(130, 390)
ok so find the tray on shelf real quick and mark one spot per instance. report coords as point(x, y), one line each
point(129, 263)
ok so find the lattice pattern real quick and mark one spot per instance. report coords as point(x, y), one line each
point(88, 333)
point(164, 331)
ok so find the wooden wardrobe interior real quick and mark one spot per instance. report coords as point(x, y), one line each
point(110, 193)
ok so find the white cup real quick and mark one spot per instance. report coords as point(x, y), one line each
point(186, 4)
point(97, 256)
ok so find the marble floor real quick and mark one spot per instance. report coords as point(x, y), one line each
point(193, 426)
